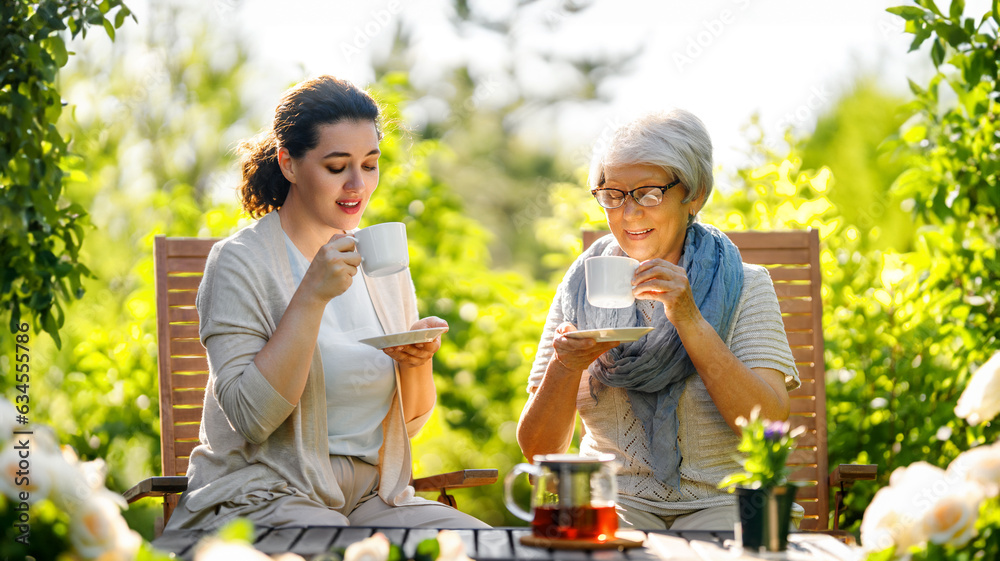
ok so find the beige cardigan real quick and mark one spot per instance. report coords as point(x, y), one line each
point(254, 444)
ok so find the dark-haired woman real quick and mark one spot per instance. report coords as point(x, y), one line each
point(302, 424)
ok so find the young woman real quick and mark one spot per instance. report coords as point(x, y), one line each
point(302, 424)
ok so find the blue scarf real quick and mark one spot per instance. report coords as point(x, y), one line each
point(653, 369)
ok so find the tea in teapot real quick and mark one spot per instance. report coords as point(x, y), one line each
point(573, 496)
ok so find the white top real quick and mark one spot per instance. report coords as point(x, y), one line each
point(360, 379)
point(706, 443)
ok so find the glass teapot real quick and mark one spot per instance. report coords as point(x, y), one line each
point(573, 497)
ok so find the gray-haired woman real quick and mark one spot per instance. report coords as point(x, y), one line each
point(665, 405)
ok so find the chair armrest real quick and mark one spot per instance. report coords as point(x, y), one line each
point(157, 487)
point(849, 473)
point(456, 480)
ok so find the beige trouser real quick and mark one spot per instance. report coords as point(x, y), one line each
point(363, 507)
point(719, 518)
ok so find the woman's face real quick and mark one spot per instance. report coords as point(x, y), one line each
point(648, 232)
point(332, 183)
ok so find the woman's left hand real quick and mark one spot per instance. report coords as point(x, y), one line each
point(417, 353)
point(665, 282)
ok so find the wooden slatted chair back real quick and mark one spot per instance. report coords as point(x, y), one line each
point(792, 258)
point(183, 366)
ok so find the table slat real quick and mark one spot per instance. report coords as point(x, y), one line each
point(469, 539)
point(666, 546)
point(822, 546)
point(414, 537)
point(347, 536)
point(177, 541)
point(395, 535)
point(278, 540)
point(503, 544)
point(316, 540)
point(524, 551)
point(493, 544)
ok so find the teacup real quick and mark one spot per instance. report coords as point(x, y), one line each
point(383, 249)
point(609, 281)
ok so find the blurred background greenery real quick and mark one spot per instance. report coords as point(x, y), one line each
point(903, 190)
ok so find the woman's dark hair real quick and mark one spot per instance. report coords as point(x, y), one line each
point(302, 110)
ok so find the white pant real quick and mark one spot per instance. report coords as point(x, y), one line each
point(362, 507)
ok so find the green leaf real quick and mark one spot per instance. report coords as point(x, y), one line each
point(930, 5)
point(920, 35)
point(56, 47)
point(996, 11)
point(109, 28)
point(93, 16)
point(916, 89)
point(956, 9)
point(973, 70)
point(951, 33)
point(937, 52)
point(907, 12)
point(120, 16)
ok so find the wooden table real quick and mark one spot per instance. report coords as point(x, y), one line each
point(504, 544)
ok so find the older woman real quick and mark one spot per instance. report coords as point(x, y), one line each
point(666, 405)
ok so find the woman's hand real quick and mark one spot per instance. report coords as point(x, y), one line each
point(662, 281)
point(331, 271)
point(577, 354)
point(418, 353)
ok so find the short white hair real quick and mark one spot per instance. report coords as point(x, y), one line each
point(675, 140)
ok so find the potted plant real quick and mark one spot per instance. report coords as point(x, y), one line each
point(765, 495)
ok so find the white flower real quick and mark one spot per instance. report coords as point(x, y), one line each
point(887, 525)
point(7, 420)
point(451, 546)
point(220, 550)
point(97, 527)
point(894, 517)
point(980, 465)
point(980, 401)
point(76, 482)
point(952, 519)
point(375, 548)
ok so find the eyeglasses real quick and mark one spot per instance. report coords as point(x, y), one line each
point(644, 196)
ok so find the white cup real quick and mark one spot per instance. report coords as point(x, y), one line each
point(609, 281)
point(383, 248)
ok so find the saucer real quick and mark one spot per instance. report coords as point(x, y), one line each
point(624, 539)
point(623, 334)
point(404, 338)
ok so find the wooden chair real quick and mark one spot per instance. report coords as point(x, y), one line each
point(792, 258)
point(183, 375)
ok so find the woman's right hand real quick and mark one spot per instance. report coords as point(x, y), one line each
point(576, 355)
point(331, 271)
